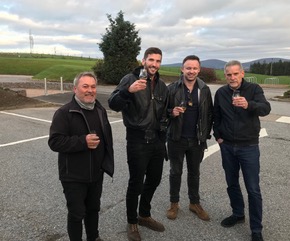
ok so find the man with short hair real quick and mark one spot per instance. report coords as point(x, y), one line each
point(81, 134)
point(237, 107)
point(142, 98)
point(191, 110)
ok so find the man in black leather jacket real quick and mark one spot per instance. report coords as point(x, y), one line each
point(142, 100)
point(81, 133)
point(191, 109)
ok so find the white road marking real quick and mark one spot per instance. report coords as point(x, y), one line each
point(214, 148)
point(263, 133)
point(24, 116)
point(35, 138)
point(211, 150)
point(23, 141)
point(284, 119)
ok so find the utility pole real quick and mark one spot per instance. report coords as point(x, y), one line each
point(31, 41)
point(271, 67)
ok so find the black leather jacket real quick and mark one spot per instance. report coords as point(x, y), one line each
point(143, 110)
point(68, 137)
point(205, 120)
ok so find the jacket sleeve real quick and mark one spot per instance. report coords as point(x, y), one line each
point(217, 117)
point(60, 137)
point(120, 97)
point(209, 114)
point(259, 105)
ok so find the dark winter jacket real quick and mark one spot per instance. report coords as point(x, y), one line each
point(68, 137)
point(205, 107)
point(143, 110)
point(236, 125)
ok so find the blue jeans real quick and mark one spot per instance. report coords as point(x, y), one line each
point(245, 158)
point(145, 162)
point(193, 152)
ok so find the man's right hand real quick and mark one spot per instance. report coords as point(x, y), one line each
point(92, 141)
point(177, 111)
point(138, 85)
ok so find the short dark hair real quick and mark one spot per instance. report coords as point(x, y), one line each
point(152, 50)
point(190, 57)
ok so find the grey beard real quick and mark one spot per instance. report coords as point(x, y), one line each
point(86, 106)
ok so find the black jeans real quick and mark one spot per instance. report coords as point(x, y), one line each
point(194, 155)
point(145, 160)
point(83, 203)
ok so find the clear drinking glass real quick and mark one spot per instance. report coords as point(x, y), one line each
point(183, 105)
point(236, 93)
point(143, 74)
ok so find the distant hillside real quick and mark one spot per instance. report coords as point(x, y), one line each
point(213, 63)
point(219, 64)
point(210, 63)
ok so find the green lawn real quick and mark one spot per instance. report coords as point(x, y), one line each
point(45, 67)
point(53, 67)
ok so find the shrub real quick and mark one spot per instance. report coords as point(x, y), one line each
point(286, 94)
point(208, 75)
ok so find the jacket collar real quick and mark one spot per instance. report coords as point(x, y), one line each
point(75, 105)
point(200, 82)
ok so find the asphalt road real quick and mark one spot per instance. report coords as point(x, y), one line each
point(32, 204)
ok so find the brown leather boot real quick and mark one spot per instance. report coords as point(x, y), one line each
point(172, 211)
point(133, 232)
point(198, 210)
point(151, 223)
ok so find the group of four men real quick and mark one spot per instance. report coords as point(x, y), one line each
point(181, 115)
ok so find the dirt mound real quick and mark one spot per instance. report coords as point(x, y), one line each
point(10, 99)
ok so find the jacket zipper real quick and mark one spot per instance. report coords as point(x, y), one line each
point(90, 164)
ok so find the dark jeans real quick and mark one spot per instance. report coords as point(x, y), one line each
point(245, 158)
point(83, 202)
point(145, 160)
point(194, 155)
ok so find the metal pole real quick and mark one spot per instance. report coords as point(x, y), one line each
point(45, 87)
point(61, 85)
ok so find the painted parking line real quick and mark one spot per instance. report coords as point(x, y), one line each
point(35, 138)
point(24, 116)
point(284, 119)
point(23, 141)
point(214, 148)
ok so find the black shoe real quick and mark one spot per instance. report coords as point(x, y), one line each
point(232, 221)
point(257, 237)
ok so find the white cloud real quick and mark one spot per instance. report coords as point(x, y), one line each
point(240, 29)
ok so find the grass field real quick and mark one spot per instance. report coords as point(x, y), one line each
point(52, 67)
point(48, 67)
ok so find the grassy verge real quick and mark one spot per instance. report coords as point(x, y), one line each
point(40, 68)
point(53, 67)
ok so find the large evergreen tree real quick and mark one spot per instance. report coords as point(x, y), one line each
point(120, 46)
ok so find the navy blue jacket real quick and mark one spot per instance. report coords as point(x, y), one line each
point(236, 125)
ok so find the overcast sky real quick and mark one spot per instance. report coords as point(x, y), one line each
point(212, 29)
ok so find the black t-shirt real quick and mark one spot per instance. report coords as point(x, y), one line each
point(190, 116)
point(94, 122)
